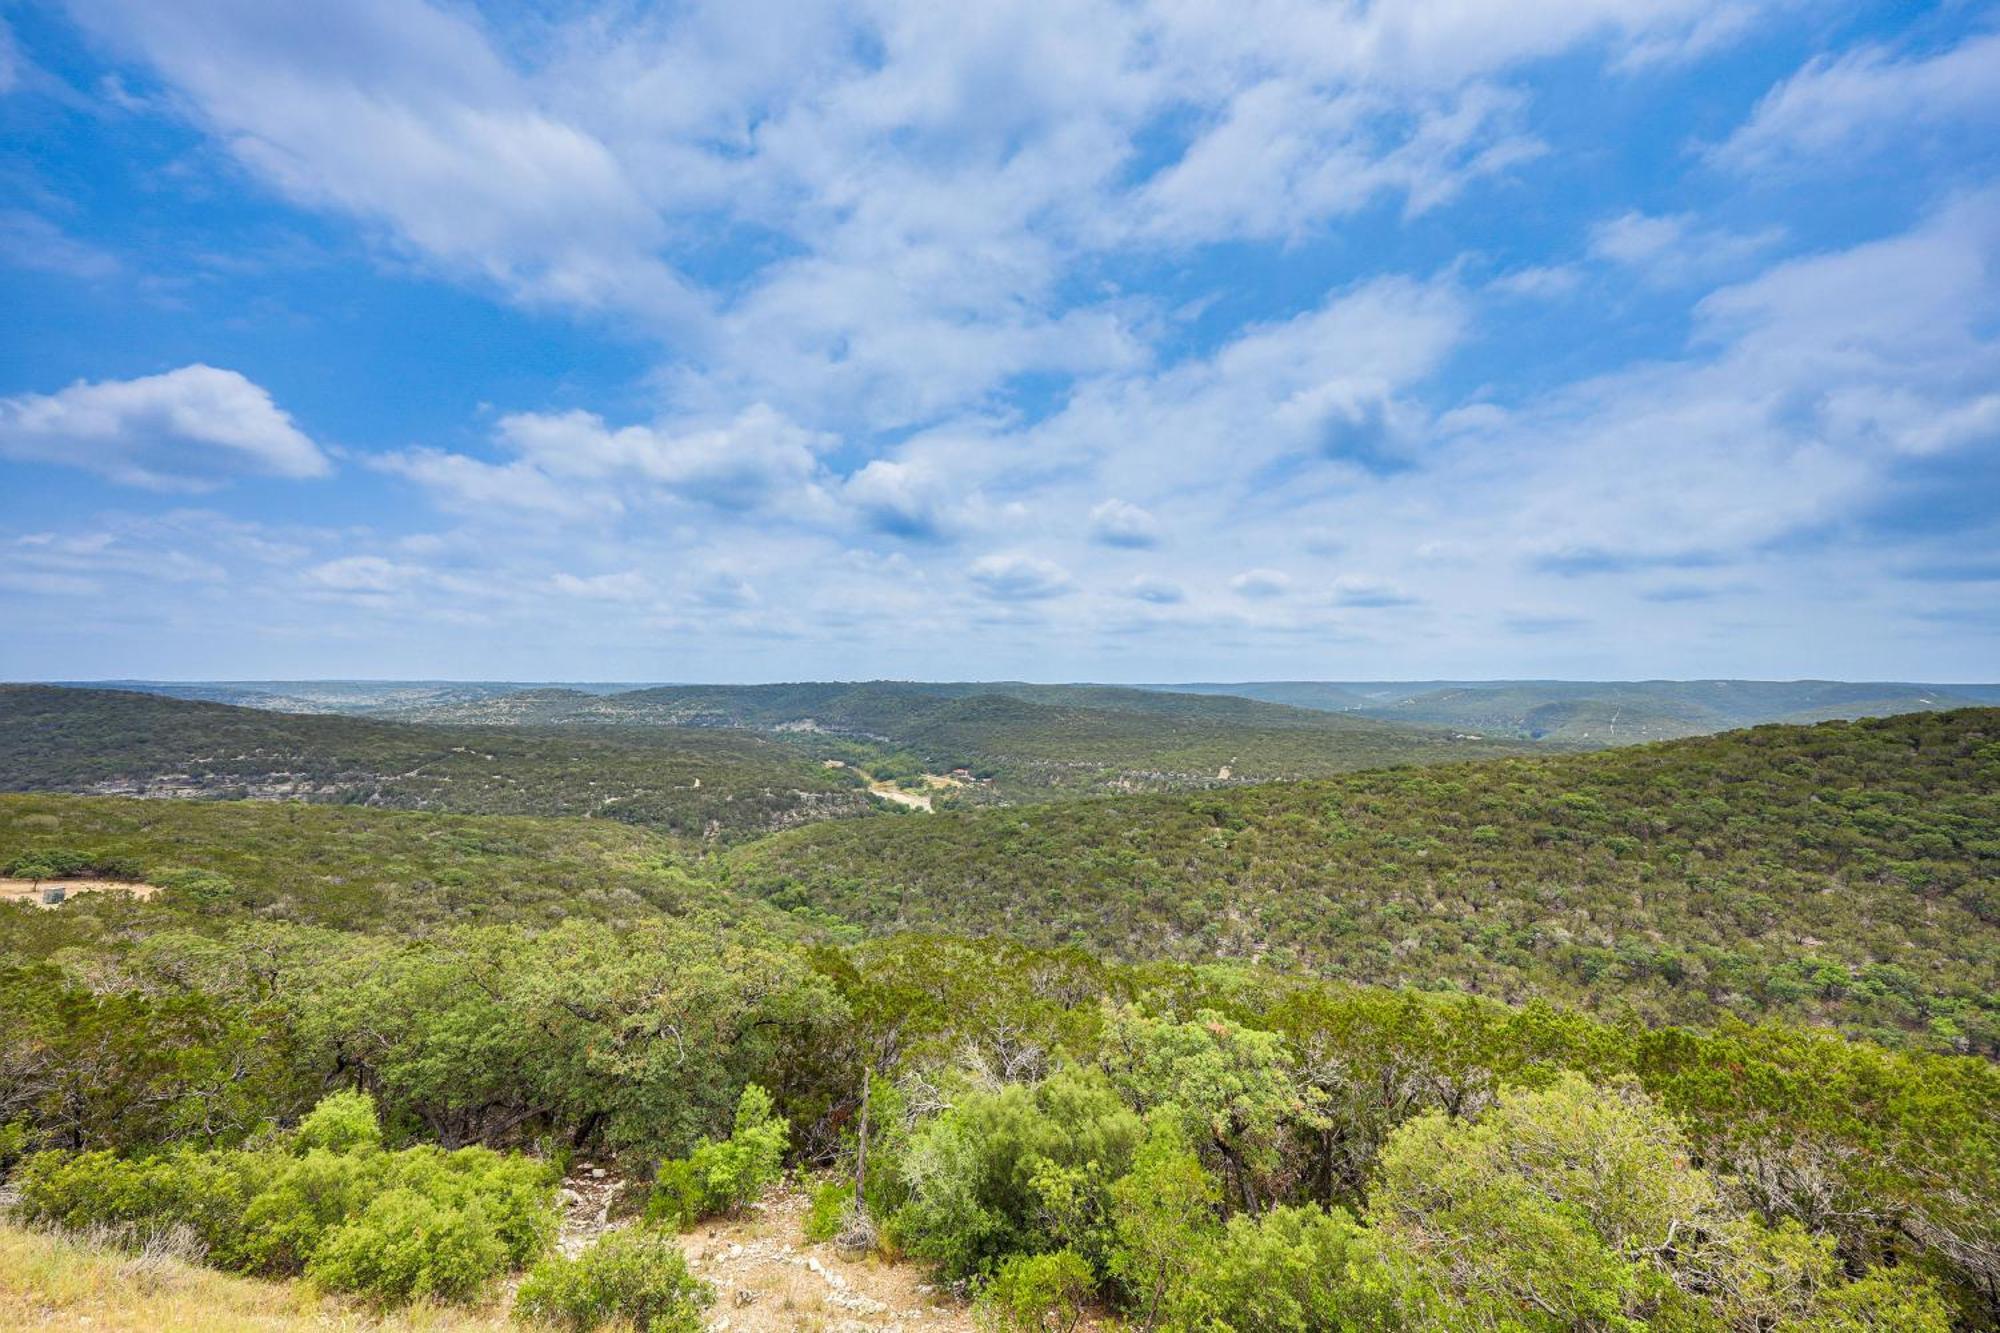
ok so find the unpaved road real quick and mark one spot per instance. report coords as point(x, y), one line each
point(28, 890)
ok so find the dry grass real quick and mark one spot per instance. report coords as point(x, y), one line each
point(55, 1282)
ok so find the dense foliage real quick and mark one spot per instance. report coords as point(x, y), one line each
point(1846, 873)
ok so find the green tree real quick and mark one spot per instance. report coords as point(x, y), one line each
point(1164, 1211)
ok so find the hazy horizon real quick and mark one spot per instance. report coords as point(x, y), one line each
point(862, 680)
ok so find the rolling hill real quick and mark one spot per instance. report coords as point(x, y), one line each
point(697, 783)
point(1599, 713)
point(1845, 872)
point(1027, 741)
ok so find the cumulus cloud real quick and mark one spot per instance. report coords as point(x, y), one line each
point(1015, 577)
point(1116, 523)
point(901, 499)
point(1261, 583)
point(573, 465)
point(185, 430)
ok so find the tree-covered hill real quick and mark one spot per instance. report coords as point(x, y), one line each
point(346, 866)
point(1608, 712)
point(1845, 873)
point(691, 782)
point(1030, 741)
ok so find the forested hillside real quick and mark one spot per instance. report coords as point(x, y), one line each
point(350, 866)
point(701, 760)
point(1845, 873)
point(1026, 741)
point(696, 782)
point(1608, 712)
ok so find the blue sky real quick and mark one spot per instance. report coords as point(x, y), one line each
point(1444, 338)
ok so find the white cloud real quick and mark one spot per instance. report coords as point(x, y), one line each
point(1637, 238)
point(623, 586)
point(571, 465)
point(1261, 583)
point(1015, 577)
point(1362, 591)
point(929, 182)
point(1842, 107)
point(744, 463)
point(901, 499)
point(470, 485)
point(1799, 392)
point(1676, 248)
point(1116, 523)
point(403, 115)
point(365, 574)
point(184, 430)
point(1287, 156)
point(1542, 282)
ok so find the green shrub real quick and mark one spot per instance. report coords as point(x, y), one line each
point(14, 1138)
point(829, 1210)
point(638, 1275)
point(206, 1193)
point(513, 1193)
point(204, 890)
point(341, 1122)
point(720, 1177)
point(1037, 1293)
point(404, 1246)
point(392, 1226)
point(309, 1196)
point(1020, 1170)
point(1293, 1268)
point(677, 1199)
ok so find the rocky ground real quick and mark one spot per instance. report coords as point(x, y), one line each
point(767, 1278)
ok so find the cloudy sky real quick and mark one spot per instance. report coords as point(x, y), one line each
point(1119, 341)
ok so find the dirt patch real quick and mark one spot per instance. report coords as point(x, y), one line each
point(586, 1199)
point(34, 891)
point(899, 797)
point(768, 1280)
